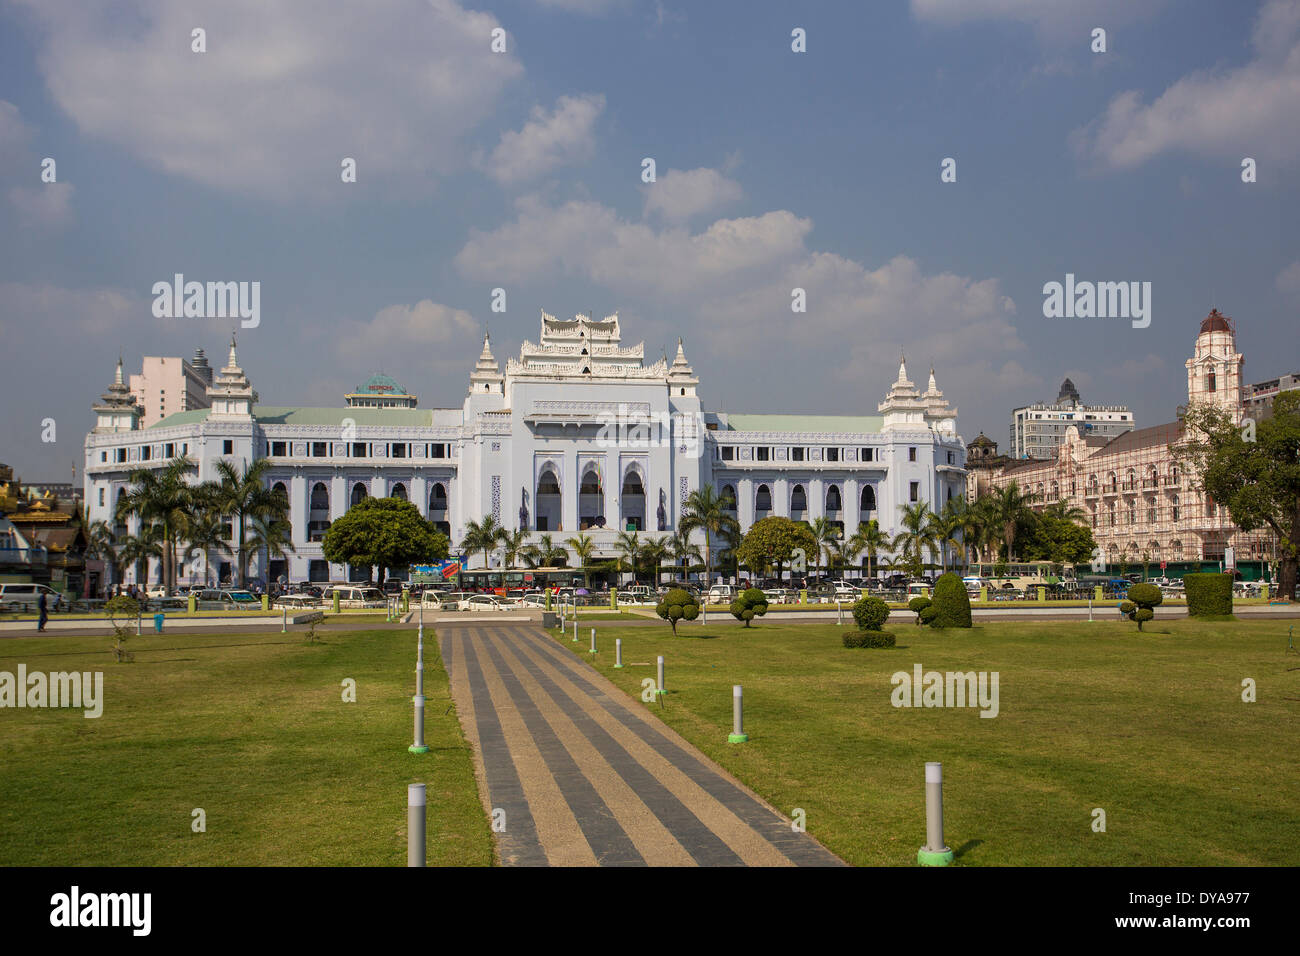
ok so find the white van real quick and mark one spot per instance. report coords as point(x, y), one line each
point(722, 593)
point(24, 597)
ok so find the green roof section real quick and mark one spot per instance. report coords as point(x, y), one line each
point(290, 415)
point(380, 384)
point(192, 417)
point(862, 424)
point(275, 415)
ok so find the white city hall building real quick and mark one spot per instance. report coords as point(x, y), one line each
point(577, 435)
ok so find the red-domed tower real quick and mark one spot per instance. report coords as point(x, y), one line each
point(1214, 372)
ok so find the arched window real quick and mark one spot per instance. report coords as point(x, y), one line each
point(1114, 482)
point(632, 501)
point(438, 497)
point(590, 483)
point(279, 489)
point(798, 501)
point(729, 497)
point(763, 499)
point(1210, 381)
point(833, 501)
point(868, 498)
point(399, 491)
point(1173, 501)
point(1056, 490)
point(320, 497)
point(548, 501)
point(358, 493)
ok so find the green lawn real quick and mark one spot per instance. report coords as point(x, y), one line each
point(251, 728)
point(1149, 727)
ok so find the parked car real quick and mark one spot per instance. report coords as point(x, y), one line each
point(451, 600)
point(393, 587)
point(843, 592)
point(24, 597)
point(780, 596)
point(227, 599)
point(356, 596)
point(483, 602)
point(722, 593)
point(297, 601)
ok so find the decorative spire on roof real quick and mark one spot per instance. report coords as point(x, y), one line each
point(486, 377)
point(681, 373)
point(231, 396)
point(117, 410)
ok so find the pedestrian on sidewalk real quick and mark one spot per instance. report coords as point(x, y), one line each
point(42, 607)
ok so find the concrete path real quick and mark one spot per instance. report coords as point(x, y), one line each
point(586, 777)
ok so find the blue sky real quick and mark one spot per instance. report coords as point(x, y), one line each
point(522, 170)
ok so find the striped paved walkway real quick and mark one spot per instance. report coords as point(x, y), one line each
point(586, 777)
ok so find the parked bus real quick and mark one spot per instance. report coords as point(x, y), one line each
point(1022, 575)
point(499, 582)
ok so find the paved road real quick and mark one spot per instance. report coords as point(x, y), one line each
point(586, 777)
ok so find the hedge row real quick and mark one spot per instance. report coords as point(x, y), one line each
point(1209, 594)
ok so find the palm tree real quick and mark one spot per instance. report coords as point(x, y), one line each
point(985, 530)
point(681, 549)
point(164, 497)
point(711, 513)
point(629, 545)
point(915, 535)
point(515, 542)
point(483, 536)
point(151, 542)
point(1010, 507)
point(546, 553)
point(1063, 510)
point(824, 533)
point(242, 495)
point(871, 539)
point(653, 553)
point(945, 527)
point(204, 534)
point(583, 548)
point(274, 536)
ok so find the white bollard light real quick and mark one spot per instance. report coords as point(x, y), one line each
point(737, 735)
point(618, 652)
point(415, 819)
point(935, 852)
point(661, 689)
point(593, 641)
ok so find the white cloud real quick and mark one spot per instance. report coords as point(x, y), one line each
point(732, 282)
point(1059, 21)
point(1252, 110)
point(436, 334)
point(562, 137)
point(77, 314)
point(46, 206)
point(1288, 280)
point(284, 92)
point(678, 195)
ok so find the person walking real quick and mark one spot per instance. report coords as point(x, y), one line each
point(43, 610)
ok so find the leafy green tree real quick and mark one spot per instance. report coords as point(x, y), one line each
point(951, 606)
point(683, 550)
point(272, 536)
point(771, 542)
point(917, 605)
point(714, 514)
point(1051, 538)
point(678, 605)
point(384, 532)
point(628, 545)
point(205, 534)
point(749, 604)
point(137, 549)
point(870, 613)
point(1257, 480)
point(583, 548)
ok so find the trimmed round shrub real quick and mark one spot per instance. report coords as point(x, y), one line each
point(749, 604)
point(677, 605)
point(854, 638)
point(917, 605)
point(1142, 600)
point(927, 614)
point(878, 639)
point(870, 614)
point(1208, 594)
point(951, 602)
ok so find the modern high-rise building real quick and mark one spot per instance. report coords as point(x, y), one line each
point(1037, 430)
point(166, 386)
